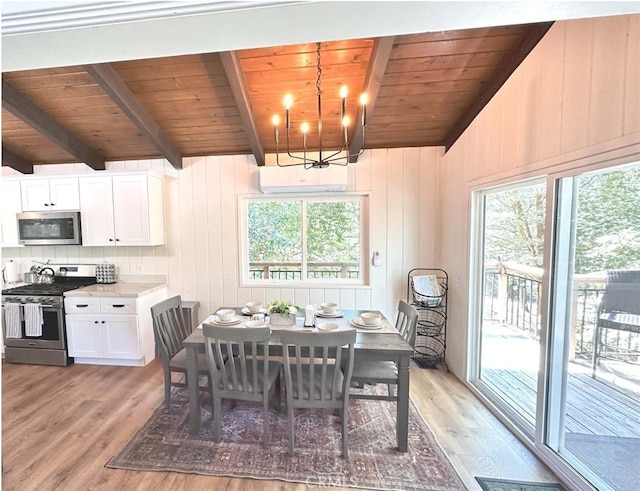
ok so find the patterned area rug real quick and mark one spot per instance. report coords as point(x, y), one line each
point(165, 444)
point(488, 484)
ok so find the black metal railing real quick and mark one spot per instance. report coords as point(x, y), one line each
point(586, 310)
point(522, 309)
point(293, 271)
point(513, 298)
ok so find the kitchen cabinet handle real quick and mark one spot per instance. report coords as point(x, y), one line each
point(82, 305)
point(53, 204)
point(46, 204)
point(95, 322)
point(118, 305)
point(110, 240)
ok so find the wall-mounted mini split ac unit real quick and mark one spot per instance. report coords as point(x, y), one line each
point(295, 179)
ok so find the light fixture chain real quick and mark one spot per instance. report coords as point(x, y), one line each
point(319, 71)
point(319, 107)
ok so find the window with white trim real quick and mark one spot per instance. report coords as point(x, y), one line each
point(304, 240)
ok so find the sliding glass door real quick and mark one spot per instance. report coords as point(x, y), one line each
point(593, 410)
point(511, 227)
point(556, 318)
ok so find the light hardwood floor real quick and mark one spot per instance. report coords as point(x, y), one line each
point(61, 425)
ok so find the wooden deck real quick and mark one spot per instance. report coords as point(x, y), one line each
point(593, 407)
point(608, 405)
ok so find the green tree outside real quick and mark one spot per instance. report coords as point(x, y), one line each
point(332, 233)
point(607, 223)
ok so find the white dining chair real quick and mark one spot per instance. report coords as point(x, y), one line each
point(314, 377)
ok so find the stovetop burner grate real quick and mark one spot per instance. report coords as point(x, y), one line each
point(50, 289)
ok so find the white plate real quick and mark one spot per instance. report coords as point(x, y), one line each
point(327, 326)
point(246, 311)
point(357, 322)
point(251, 324)
point(337, 313)
point(214, 319)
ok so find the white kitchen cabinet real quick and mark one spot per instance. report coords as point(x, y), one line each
point(121, 337)
point(124, 210)
point(110, 336)
point(54, 194)
point(111, 329)
point(85, 335)
point(10, 204)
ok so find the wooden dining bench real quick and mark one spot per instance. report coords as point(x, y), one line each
point(619, 309)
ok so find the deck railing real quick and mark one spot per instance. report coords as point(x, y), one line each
point(293, 270)
point(512, 296)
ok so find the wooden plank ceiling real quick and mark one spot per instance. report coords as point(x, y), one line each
point(424, 90)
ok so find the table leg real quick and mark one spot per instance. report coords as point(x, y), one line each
point(192, 382)
point(402, 417)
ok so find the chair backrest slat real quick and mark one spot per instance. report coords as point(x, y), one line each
point(298, 365)
point(218, 354)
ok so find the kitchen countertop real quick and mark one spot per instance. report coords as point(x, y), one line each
point(115, 290)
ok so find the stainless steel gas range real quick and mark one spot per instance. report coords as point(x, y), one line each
point(33, 325)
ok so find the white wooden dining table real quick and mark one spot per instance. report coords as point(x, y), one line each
point(383, 344)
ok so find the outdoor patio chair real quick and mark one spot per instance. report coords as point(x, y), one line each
point(240, 369)
point(386, 372)
point(171, 326)
point(313, 375)
point(619, 309)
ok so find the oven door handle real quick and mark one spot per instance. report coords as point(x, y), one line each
point(44, 306)
point(52, 307)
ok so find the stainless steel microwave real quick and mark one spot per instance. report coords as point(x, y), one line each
point(49, 228)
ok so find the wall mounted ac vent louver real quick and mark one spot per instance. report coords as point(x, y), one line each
point(296, 179)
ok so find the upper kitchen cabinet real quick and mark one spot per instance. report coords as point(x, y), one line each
point(55, 194)
point(9, 206)
point(124, 210)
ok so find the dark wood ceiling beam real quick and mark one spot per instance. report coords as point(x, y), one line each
point(20, 106)
point(238, 85)
point(502, 73)
point(377, 65)
point(15, 161)
point(108, 79)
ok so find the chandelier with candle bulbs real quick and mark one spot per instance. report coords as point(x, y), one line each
point(324, 158)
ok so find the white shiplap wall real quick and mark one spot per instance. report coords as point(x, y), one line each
point(574, 100)
point(200, 256)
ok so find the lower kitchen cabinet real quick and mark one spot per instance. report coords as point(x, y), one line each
point(121, 337)
point(110, 336)
point(111, 329)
